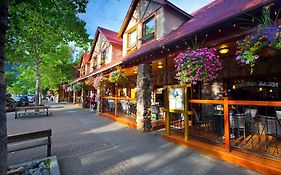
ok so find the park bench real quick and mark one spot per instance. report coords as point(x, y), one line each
point(32, 110)
point(30, 140)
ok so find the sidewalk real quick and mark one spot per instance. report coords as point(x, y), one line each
point(89, 144)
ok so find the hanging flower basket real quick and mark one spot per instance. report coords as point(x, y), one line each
point(199, 65)
point(267, 36)
point(99, 81)
point(249, 49)
point(117, 77)
point(78, 86)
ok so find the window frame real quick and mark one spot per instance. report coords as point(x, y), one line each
point(103, 59)
point(134, 47)
point(145, 21)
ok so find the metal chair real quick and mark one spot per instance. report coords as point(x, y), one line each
point(278, 115)
point(271, 127)
point(239, 123)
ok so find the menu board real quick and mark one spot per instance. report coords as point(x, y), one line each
point(176, 98)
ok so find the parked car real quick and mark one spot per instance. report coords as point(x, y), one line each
point(10, 103)
point(31, 98)
point(25, 100)
point(18, 101)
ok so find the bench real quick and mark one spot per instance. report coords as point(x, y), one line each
point(31, 110)
point(30, 140)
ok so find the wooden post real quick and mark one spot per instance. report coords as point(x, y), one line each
point(115, 106)
point(74, 97)
point(49, 146)
point(226, 124)
point(186, 127)
point(186, 115)
point(167, 116)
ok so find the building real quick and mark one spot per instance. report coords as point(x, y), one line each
point(236, 116)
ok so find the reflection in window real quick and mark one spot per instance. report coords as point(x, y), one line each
point(149, 29)
point(132, 39)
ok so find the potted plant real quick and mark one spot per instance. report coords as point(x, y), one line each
point(197, 65)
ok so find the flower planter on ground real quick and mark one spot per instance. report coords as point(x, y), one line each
point(46, 166)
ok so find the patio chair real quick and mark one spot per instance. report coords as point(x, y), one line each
point(239, 122)
point(272, 127)
point(278, 115)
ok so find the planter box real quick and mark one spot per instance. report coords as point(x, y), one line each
point(54, 166)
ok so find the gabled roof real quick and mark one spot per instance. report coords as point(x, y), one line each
point(85, 58)
point(213, 14)
point(110, 35)
point(133, 6)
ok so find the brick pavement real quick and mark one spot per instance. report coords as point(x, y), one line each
point(85, 143)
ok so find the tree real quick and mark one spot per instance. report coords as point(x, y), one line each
point(57, 68)
point(3, 122)
point(38, 27)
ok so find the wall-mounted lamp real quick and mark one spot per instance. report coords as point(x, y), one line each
point(160, 65)
point(224, 50)
point(233, 87)
point(135, 71)
point(270, 90)
point(260, 89)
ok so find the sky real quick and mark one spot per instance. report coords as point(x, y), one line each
point(111, 13)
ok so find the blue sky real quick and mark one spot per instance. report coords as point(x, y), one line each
point(111, 13)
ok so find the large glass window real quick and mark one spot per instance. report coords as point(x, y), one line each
point(132, 39)
point(149, 29)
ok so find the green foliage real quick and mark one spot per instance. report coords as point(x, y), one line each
point(57, 68)
point(39, 31)
point(118, 77)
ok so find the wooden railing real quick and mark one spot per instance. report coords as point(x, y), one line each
point(226, 103)
point(115, 102)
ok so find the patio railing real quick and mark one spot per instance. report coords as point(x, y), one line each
point(119, 106)
point(249, 125)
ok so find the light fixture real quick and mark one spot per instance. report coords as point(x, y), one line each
point(233, 87)
point(135, 71)
point(224, 50)
point(260, 89)
point(160, 65)
point(270, 90)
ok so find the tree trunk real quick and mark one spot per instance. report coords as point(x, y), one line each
point(38, 96)
point(3, 121)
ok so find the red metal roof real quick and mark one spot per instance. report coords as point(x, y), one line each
point(211, 15)
point(111, 36)
point(85, 58)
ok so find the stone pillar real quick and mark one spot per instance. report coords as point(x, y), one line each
point(143, 93)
